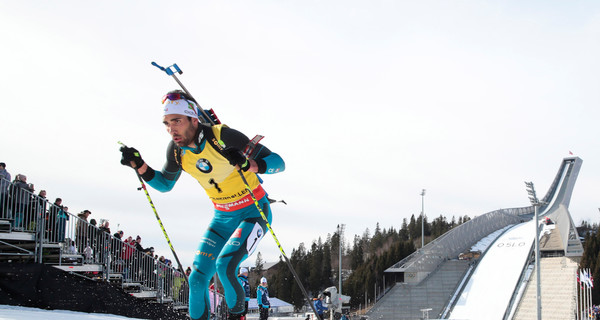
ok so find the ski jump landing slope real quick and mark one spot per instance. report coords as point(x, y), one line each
point(488, 293)
point(490, 289)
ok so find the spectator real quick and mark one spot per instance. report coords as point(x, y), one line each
point(262, 298)
point(20, 195)
point(39, 209)
point(104, 226)
point(179, 286)
point(185, 288)
point(126, 256)
point(82, 237)
point(103, 241)
point(318, 303)
point(71, 249)
point(92, 235)
point(117, 247)
point(168, 278)
point(141, 265)
point(29, 214)
point(4, 183)
point(215, 299)
point(138, 244)
point(243, 277)
point(59, 214)
point(33, 211)
point(88, 253)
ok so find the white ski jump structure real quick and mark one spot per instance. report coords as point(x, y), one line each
point(498, 282)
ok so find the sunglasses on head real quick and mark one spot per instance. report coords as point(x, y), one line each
point(173, 97)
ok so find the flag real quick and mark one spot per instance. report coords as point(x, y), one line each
point(581, 278)
point(588, 279)
point(571, 153)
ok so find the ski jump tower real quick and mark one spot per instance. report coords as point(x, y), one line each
point(435, 278)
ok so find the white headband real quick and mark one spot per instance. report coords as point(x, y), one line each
point(182, 107)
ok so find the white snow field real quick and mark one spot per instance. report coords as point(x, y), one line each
point(24, 313)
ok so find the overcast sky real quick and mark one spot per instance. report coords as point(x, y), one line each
point(368, 102)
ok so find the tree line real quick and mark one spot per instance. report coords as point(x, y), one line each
point(591, 253)
point(364, 260)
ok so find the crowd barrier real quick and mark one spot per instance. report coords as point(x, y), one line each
point(80, 243)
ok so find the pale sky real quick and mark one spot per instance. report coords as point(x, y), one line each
point(368, 102)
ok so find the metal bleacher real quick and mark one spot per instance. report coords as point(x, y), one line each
point(33, 230)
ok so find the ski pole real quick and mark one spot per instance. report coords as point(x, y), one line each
point(287, 260)
point(247, 151)
point(170, 72)
point(159, 222)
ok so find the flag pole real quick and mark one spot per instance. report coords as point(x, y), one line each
point(577, 296)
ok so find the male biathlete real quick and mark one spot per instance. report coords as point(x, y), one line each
point(213, 155)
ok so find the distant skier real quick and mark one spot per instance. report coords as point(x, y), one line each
point(212, 155)
point(262, 299)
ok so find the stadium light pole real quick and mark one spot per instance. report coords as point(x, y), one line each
point(422, 218)
point(340, 231)
point(536, 203)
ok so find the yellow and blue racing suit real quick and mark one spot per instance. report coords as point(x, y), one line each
point(237, 225)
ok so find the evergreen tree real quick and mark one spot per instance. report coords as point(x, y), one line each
point(282, 281)
point(259, 264)
point(368, 258)
point(315, 256)
point(403, 233)
point(357, 253)
point(413, 229)
point(591, 257)
point(298, 261)
point(377, 240)
point(326, 274)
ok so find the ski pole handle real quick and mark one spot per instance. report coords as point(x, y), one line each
point(168, 69)
point(143, 187)
point(137, 154)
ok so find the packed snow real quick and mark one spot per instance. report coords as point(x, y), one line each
point(24, 313)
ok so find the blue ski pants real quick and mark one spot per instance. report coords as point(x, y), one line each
point(230, 238)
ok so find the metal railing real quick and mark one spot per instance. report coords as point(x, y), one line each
point(460, 238)
point(63, 238)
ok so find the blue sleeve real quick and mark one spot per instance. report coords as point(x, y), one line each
point(165, 179)
point(268, 162)
point(259, 297)
point(274, 163)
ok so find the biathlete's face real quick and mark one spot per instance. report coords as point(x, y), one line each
point(182, 129)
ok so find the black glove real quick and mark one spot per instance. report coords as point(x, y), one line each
point(131, 154)
point(236, 158)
